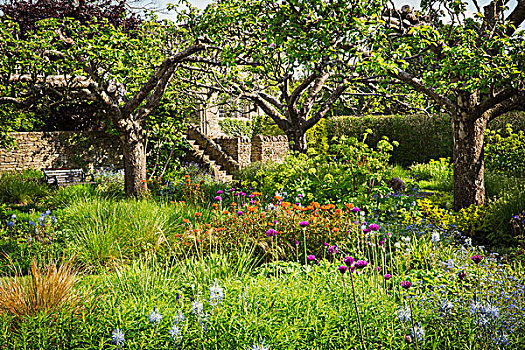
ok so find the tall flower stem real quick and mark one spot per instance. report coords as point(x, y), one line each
point(357, 311)
point(304, 244)
point(412, 319)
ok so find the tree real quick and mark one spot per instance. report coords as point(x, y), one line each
point(471, 65)
point(290, 58)
point(125, 74)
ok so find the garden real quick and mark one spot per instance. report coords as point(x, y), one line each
point(395, 221)
point(314, 253)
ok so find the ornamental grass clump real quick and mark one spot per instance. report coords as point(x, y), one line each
point(48, 288)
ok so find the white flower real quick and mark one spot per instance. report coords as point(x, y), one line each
point(397, 245)
point(406, 239)
point(260, 346)
point(117, 337)
point(435, 237)
point(418, 332)
point(179, 318)
point(155, 317)
point(197, 307)
point(404, 315)
point(216, 293)
point(175, 333)
point(446, 307)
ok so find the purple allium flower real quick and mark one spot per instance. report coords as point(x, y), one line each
point(271, 46)
point(349, 261)
point(304, 223)
point(360, 264)
point(252, 202)
point(381, 242)
point(220, 192)
point(378, 269)
point(251, 196)
point(355, 210)
point(218, 198)
point(310, 257)
point(333, 249)
point(387, 276)
point(297, 242)
point(271, 233)
point(408, 339)
point(300, 195)
point(240, 213)
point(462, 275)
point(373, 227)
point(342, 269)
point(117, 338)
point(477, 258)
point(366, 230)
point(326, 244)
point(406, 284)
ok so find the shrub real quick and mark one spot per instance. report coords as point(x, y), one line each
point(505, 151)
point(22, 188)
point(420, 137)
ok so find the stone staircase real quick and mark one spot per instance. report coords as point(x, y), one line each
point(208, 152)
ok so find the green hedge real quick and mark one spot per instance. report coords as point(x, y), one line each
point(420, 137)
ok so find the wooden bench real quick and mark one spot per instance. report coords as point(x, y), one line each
point(66, 177)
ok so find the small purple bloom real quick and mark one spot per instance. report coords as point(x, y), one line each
point(251, 196)
point(378, 269)
point(477, 258)
point(297, 242)
point(381, 242)
point(366, 230)
point(326, 244)
point(310, 257)
point(349, 261)
point(333, 249)
point(342, 269)
point(462, 275)
point(218, 198)
point(373, 227)
point(406, 284)
point(387, 276)
point(355, 210)
point(220, 192)
point(271, 233)
point(360, 264)
point(304, 223)
point(240, 213)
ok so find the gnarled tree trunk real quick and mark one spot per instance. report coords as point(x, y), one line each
point(468, 158)
point(297, 140)
point(134, 152)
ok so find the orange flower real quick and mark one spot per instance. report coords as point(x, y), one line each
point(316, 205)
point(257, 194)
point(252, 209)
point(338, 211)
point(186, 176)
point(186, 221)
point(198, 214)
point(286, 205)
point(335, 229)
point(297, 207)
point(278, 198)
point(234, 204)
point(349, 205)
point(207, 225)
point(215, 205)
point(172, 202)
point(177, 235)
point(326, 207)
point(225, 212)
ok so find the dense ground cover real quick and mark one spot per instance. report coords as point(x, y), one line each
point(317, 253)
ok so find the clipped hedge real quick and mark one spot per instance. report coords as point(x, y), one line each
point(420, 137)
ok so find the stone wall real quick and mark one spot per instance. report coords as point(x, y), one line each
point(265, 148)
point(239, 148)
point(37, 150)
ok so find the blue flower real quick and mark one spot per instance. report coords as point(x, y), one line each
point(155, 317)
point(216, 293)
point(175, 333)
point(179, 318)
point(260, 346)
point(418, 332)
point(117, 337)
point(404, 315)
point(196, 307)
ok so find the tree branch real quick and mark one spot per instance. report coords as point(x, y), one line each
point(325, 106)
